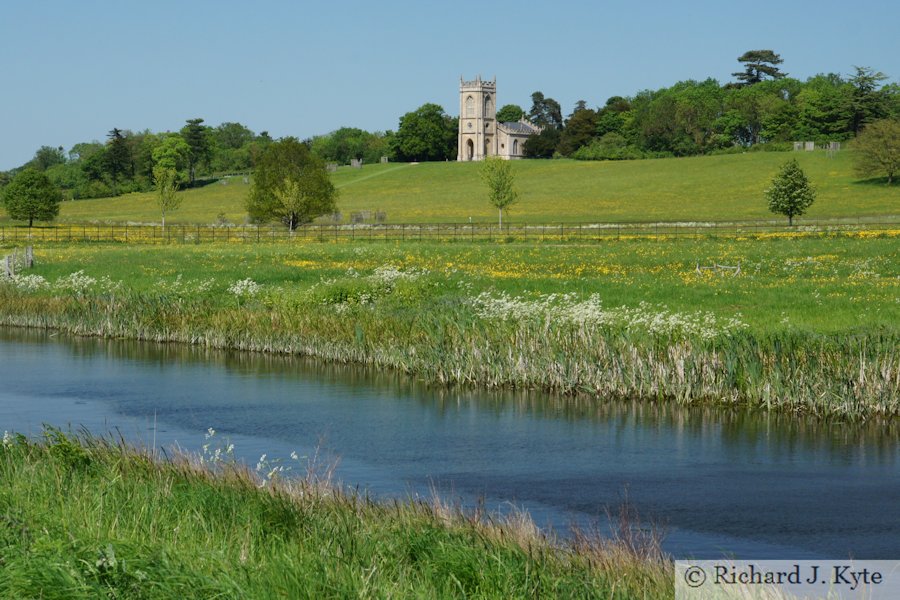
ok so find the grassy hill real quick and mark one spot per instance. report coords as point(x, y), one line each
point(682, 189)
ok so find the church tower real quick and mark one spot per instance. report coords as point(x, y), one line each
point(477, 119)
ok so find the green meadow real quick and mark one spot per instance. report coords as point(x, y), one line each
point(808, 327)
point(717, 188)
point(630, 319)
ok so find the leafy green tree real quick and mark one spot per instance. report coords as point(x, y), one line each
point(581, 129)
point(612, 146)
point(290, 184)
point(510, 113)
point(611, 118)
point(543, 144)
point(170, 160)
point(172, 153)
point(347, 143)
point(758, 64)
point(824, 107)
point(791, 193)
point(427, 133)
point(46, 157)
point(878, 149)
point(231, 135)
point(197, 137)
point(167, 198)
point(31, 195)
point(230, 148)
point(498, 176)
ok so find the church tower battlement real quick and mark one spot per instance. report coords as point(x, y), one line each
point(477, 119)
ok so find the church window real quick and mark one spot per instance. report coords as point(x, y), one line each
point(470, 107)
point(487, 106)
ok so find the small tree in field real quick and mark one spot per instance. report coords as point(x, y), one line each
point(31, 195)
point(790, 194)
point(878, 149)
point(290, 184)
point(498, 176)
point(166, 187)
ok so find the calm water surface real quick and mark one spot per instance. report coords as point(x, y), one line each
point(722, 482)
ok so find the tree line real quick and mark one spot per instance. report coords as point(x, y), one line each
point(763, 108)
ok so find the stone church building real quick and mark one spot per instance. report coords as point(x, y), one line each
point(480, 134)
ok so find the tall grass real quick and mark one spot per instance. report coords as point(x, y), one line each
point(83, 517)
point(420, 322)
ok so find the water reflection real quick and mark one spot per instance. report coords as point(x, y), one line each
point(778, 435)
point(724, 480)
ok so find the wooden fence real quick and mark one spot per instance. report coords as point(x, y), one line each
point(16, 261)
point(435, 232)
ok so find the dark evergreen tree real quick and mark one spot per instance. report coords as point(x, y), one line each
point(197, 137)
point(545, 112)
point(117, 158)
point(758, 64)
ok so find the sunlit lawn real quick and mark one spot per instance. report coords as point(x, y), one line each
point(674, 189)
point(824, 284)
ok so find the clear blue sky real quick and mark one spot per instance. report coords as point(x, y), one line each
point(73, 70)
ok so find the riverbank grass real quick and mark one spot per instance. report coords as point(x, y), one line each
point(808, 325)
point(85, 518)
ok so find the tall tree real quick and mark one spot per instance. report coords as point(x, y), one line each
point(117, 157)
point(791, 193)
point(545, 112)
point(31, 196)
point(197, 137)
point(758, 64)
point(580, 129)
point(46, 157)
point(290, 184)
point(869, 103)
point(427, 133)
point(878, 149)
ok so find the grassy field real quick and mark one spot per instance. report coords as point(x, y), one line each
point(675, 189)
point(83, 518)
point(809, 325)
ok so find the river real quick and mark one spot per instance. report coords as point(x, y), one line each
point(717, 481)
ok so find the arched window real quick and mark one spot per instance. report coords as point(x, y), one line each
point(470, 107)
point(515, 148)
point(487, 107)
point(470, 150)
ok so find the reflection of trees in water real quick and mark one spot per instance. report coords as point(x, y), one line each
point(748, 432)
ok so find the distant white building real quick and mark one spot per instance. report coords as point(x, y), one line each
point(480, 134)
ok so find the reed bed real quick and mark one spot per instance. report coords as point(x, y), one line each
point(467, 317)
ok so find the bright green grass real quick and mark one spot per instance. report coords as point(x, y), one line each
point(809, 325)
point(819, 284)
point(86, 519)
point(717, 188)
